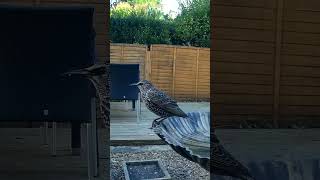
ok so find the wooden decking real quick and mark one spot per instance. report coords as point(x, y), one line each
point(133, 134)
point(126, 129)
point(23, 156)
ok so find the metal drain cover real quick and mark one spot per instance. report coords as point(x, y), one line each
point(143, 170)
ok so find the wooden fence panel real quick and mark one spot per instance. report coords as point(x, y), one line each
point(162, 67)
point(182, 72)
point(185, 73)
point(243, 43)
point(299, 82)
point(129, 54)
point(203, 78)
point(265, 63)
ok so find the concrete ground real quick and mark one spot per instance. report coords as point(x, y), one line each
point(132, 139)
point(177, 166)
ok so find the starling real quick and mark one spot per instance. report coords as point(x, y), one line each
point(158, 101)
point(98, 76)
point(224, 164)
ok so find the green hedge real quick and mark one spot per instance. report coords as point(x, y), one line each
point(146, 24)
point(141, 30)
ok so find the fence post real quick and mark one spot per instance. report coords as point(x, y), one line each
point(121, 58)
point(174, 71)
point(277, 64)
point(147, 65)
point(197, 73)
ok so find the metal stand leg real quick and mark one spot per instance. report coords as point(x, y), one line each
point(83, 140)
point(44, 132)
point(54, 139)
point(133, 105)
point(90, 151)
point(75, 138)
point(45, 127)
point(139, 108)
point(94, 136)
point(127, 104)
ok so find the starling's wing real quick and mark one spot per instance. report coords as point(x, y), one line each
point(101, 85)
point(165, 102)
point(223, 163)
point(95, 66)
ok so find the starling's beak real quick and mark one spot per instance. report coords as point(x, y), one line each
point(81, 72)
point(134, 84)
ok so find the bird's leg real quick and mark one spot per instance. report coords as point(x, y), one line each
point(160, 119)
point(154, 121)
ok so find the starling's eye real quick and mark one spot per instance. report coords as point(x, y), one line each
point(139, 84)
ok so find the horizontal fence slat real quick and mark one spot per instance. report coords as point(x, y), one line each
point(300, 100)
point(242, 46)
point(300, 71)
point(242, 78)
point(300, 110)
point(242, 12)
point(302, 16)
point(300, 60)
point(245, 57)
point(301, 38)
point(236, 23)
point(299, 90)
point(242, 89)
point(223, 67)
point(246, 3)
point(300, 81)
point(301, 27)
point(239, 34)
point(242, 99)
point(299, 49)
point(221, 109)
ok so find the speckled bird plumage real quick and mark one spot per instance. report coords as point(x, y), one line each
point(98, 76)
point(223, 163)
point(158, 101)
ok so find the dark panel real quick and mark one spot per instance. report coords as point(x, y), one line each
point(122, 75)
point(36, 45)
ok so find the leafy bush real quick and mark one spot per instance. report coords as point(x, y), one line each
point(143, 22)
point(141, 30)
point(192, 26)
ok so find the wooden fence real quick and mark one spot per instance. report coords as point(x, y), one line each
point(265, 62)
point(183, 72)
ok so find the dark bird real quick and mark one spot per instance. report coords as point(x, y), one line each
point(158, 101)
point(98, 76)
point(224, 164)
